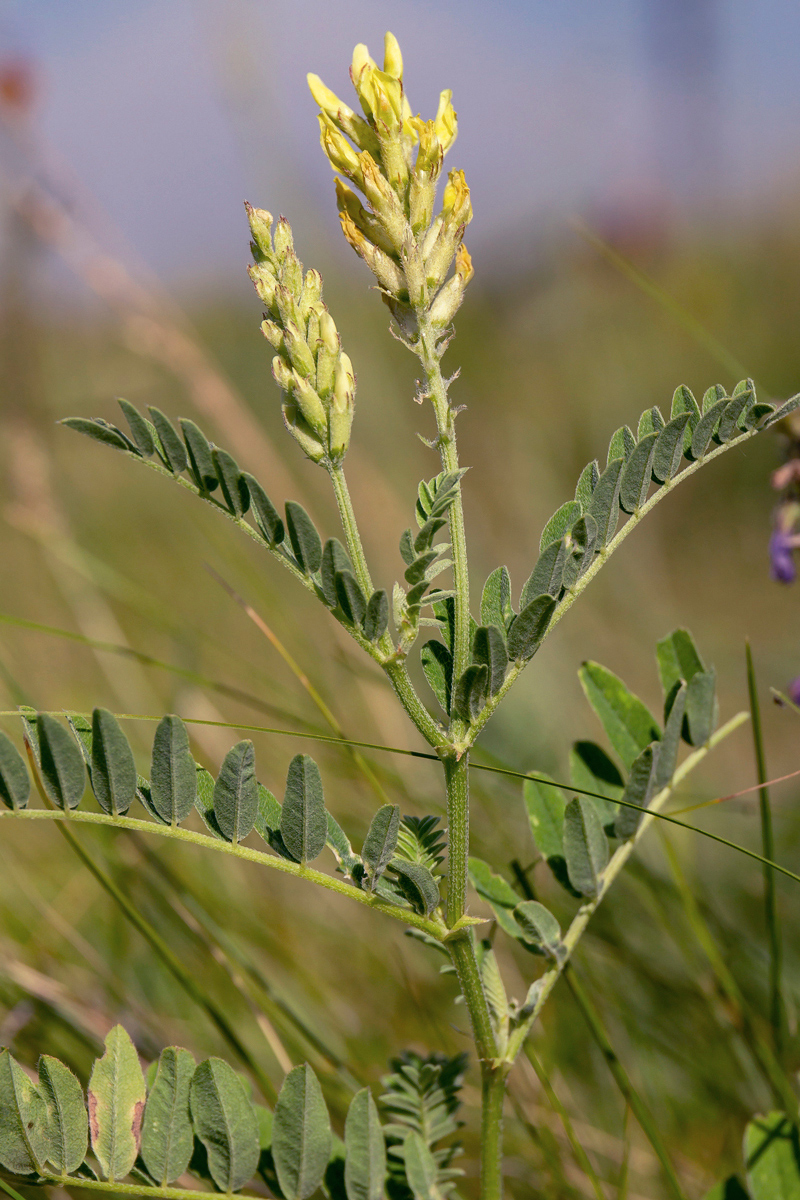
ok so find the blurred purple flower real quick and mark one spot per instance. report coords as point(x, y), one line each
point(781, 557)
point(793, 691)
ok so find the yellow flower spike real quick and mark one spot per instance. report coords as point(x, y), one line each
point(422, 192)
point(338, 150)
point(392, 57)
point(446, 121)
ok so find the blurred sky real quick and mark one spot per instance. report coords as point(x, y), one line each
point(170, 112)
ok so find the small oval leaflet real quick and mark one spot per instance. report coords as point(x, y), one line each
point(418, 885)
point(201, 464)
point(15, 784)
point(421, 1170)
point(437, 665)
point(559, 523)
point(498, 894)
point(381, 841)
point(301, 1134)
point(604, 505)
point(265, 512)
point(470, 692)
point(304, 538)
point(529, 628)
point(541, 928)
point(489, 647)
point(365, 1161)
point(496, 599)
point(173, 773)
point(61, 763)
point(334, 558)
point(232, 483)
point(139, 427)
point(171, 444)
point(376, 618)
point(23, 1136)
point(167, 1134)
point(113, 768)
point(585, 846)
point(225, 1122)
point(236, 792)
point(304, 825)
point(350, 597)
point(67, 1125)
point(670, 447)
point(116, 1103)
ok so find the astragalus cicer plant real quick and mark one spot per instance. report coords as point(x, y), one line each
point(139, 1134)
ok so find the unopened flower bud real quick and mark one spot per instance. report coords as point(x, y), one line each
point(338, 150)
point(327, 355)
point(274, 335)
point(344, 387)
point(309, 403)
point(348, 202)
point(384, 200)
point(342, 116)
point(300, 356)
point(312, 337)
point(328, 334)
point(288, 312)
point(446, 120)
point(312, 291)
point(449, 299)
point(328, 101)
point(284, 241)
point(464, 267)
point(300, 430)
point(339, 427)
point(265, 284)
point(431, 236)
point(260, 227)
point(392, 58)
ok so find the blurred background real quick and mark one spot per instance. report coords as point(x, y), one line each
point(634, 172)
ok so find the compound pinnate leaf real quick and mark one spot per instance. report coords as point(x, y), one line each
point(417, 884)
point(66, 1124)
point(113, 773)
point(772, 1158)
point(265, 512)
point(232, 483)
point(496, 599)
point(236, 792)
point(171, 444)
point(225, 1122)
point(637, 476)
point(303, 536)
point(376, 618)
point(489, 647)
point(541, 929)
point(365, 1161)
point(545, 804)
point(23, 1117)
point(381, 841)
point(15, 784)
point(604, 505)
point(421, 1169)
point(167, 1134)
point(201, 463)
point(626, 720)
point(140, 428)
point(528, 629)
point(116, 1104)
point(173, 772)
point(559, 523)
point(498, 894)
point(670, 447)
point(304, 825)
point(638, 790)
point(585, 846)
point(677, 659)
point(61, 763)
point(301, 1134)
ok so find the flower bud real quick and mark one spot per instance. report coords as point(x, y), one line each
point(312, 338)
point(288, 312)
point(388, 208)
point(342, 116)
point(338, 150)
point(274, 335)
point(384, 268)
point(456, 206)
point(309, 403)
point(422, 192)
point(339, 428)
point(309, 443)
point(265, 284)
point(344, 387)
point(300, 356)
point(284, 242)
point(348, 202)
point(260, 227)
point(449, 299)
point(328, 334)
point(327, 355)
point(392, 58)
point(431, 236)
point(446, 120)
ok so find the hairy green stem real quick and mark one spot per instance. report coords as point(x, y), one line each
point(493, 1094)
point(623, 1082)
point(456, 774)
point(446, 442)
point(350, 527)
point(620, 857)
point(406, 693)
point(131, 1188)
point(776, 1007)
point(434, 928)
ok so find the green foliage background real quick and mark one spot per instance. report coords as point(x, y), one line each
point(552, 362)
